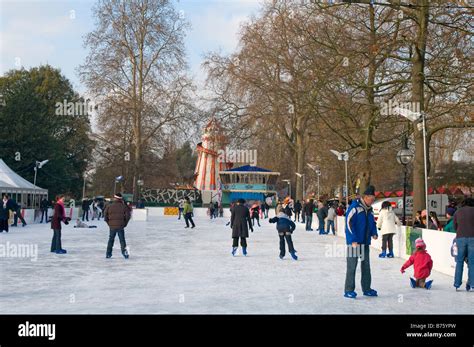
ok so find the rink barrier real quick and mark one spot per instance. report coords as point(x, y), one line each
point(438, 245)
point(197, 211)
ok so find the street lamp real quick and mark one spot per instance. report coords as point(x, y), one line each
point(38, 165)
point(415, 117)
point(117, 180)
point(289, 187)
point(301, 176)
point(343, 156)
point(317, 172)
point(404, 157)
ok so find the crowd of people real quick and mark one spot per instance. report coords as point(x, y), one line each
point(361, 227)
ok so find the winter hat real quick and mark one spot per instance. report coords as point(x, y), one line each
point(118, 196)
point(419, 243)
point(370, 190)
point(450, 211)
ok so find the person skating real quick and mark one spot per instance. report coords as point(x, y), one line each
point(286, 207)
point(322, 214)
point(44, 205)
point(117, 215)
point(464, 226)
point(240, 223)
point(330, 220)
point(297, 209)
point(255, 213)
point(360, 228)
point(17, 214)
point(85, 209)
point(188, 213)
point(5, 207)
point(387, 224)
point(180, 208)
point(308, 212)
point(285, 227)
point(422, 263)
point(59, 216)
point(80, 224)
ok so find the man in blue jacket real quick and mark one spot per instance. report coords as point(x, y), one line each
point(360, 228)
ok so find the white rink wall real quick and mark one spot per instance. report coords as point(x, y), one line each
point(438, 245)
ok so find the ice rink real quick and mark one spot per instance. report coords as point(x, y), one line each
point(176, 270)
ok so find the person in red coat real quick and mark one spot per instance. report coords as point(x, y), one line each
point(422, 263)
point(59, 216)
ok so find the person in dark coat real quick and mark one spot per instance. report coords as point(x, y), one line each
point(85, 209)
point(117, 215)
point(44, 205)
point(5, 207)
point(240, 223)
point(285, 228)
point(308, 212)
point(322, 214)
point(17, 209)
point(464, 226)
point(297, 209)
point(59, 215)
point(255, 213)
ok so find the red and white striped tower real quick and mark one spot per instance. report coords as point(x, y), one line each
point(208, 164)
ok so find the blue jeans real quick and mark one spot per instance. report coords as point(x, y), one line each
point(465, 250)
point(331, 223)
point(321, 225)
point(309, 220)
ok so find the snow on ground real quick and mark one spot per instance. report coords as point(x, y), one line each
point(177, 270)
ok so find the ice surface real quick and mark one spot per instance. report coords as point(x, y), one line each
point(177, 270)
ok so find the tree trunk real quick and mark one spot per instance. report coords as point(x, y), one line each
point(300, 155)
point(418, 61)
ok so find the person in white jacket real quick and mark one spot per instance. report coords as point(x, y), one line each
point(387, 224)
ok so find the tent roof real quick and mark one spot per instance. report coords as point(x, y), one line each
point(11, 180)
point(248, 168)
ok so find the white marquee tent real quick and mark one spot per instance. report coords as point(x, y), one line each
point(18, 188)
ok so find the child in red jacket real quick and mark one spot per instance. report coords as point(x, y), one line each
point(422, 263)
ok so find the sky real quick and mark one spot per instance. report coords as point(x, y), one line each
point(36, 32)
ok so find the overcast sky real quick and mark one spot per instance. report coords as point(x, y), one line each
point(36, 32)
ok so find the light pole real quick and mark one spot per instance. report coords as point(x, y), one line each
point(343, 156)
point(38, 165)
point(289, 187)
point(117, 180)
point(317, 172)
point(301, 176)
point(415, 117)
point(404, 157)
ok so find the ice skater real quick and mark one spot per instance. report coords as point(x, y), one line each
point(255, 213)
point(240, 223)
point(80, 224)
point(422, 263)
point(360, 228)
point(5, 207)
point(285, 227)
point(59, 215)
point(387, 224)
point(188, 213)
point(117, 216)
